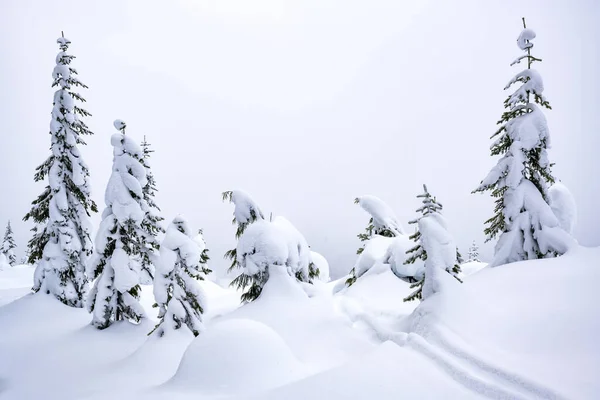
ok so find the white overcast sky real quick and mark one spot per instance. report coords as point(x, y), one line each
point(304, 104)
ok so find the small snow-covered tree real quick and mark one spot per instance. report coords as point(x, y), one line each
point(151, 225)
point(245, 213)
point(473, 252)
point(62, 236)
point(25, 258)
point(8, 245)
point(434, 246)
point(117, 264)
point(176, 290)
point(272, 244)
point(383, 222)
point(250, 280)
point(523, 218)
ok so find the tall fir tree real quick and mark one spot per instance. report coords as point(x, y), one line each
point(8, 246)
point(117, 262)
point(473, 252)
point(527, 226)
point(151, 224)
point(61, 243)
point(178, 296)
point(245, 213)
point(430, 209)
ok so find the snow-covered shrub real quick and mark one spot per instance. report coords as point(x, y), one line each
point(62, 236)
point(383, 223)
point(8, 245)
point(246, 212)
point(523, 218)
point(117, 265)
point(276, 244)
point(176, 290)
point(434, 246)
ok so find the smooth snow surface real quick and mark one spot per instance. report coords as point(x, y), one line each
point(470, 268)
point(527, 330)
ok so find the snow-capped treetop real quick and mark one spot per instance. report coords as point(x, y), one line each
point(430, 204)
point(524, 39)
point(384, 218)
point(120, 125)
point(63, 43)
point(124, 190)
point(246, 209)
point(564, 206)
point(179, 236)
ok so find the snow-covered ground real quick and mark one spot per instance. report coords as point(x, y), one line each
point(527, 330)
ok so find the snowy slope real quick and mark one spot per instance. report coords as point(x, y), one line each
point(522, 331)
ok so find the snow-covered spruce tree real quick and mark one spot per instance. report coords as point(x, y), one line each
point(383, 222)
point(8, 245)
point(473, 252)
point(117, 263)
point(245, 213)
point(151, 224)
point(61, 241)
point(523, 218)
point(431, 237)
point(176, 290)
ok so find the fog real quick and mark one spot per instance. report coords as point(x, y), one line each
point(304, 104)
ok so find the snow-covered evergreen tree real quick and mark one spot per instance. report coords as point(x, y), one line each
point(523, 218)
point(8, 245)
point(473, 252)
point(151, 224)
point(245, 213)
point(272, 244)
point(434, 246)
point(117, 263)
point(383, 222)
point(176, 290)
point(61, 242)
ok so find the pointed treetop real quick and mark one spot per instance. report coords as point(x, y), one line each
point(63, 42)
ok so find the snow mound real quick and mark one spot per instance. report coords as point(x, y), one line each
point(564, 207)
point(471, 267)
point(236, 356)
point(537, 319)
point(388, 372)
point(375, 251)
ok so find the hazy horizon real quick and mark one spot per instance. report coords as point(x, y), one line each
point(303, 104)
